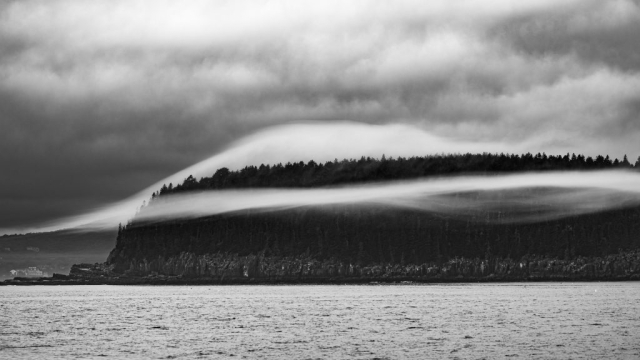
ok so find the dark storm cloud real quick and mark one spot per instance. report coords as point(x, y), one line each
point(99, 99)
point(605, 34)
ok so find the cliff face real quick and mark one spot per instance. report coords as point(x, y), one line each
point(377, 243)
point(231, 268)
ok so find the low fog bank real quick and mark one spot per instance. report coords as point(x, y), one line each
point(528, 197)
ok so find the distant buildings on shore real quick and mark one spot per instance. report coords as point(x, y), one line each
point(31, 271)
point(28, 248)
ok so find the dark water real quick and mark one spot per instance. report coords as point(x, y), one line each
point(542, 320)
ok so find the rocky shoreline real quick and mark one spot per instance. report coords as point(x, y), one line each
point(230, 269)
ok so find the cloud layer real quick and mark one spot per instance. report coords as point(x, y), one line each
point(99, 99)
point(517, 198)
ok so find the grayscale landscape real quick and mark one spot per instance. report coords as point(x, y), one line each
point(319, 179)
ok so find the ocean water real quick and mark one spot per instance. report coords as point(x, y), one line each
point(474, 321)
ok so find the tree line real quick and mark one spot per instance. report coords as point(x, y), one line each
point(366, 169)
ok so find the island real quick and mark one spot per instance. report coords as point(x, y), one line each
point(370, 243)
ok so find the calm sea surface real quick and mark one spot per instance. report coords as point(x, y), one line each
point(542, 320)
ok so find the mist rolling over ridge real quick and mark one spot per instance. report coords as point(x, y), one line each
point(575, 193)
point(416, 172)
point(320, 141)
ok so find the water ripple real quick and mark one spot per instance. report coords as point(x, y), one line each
point(544, 320)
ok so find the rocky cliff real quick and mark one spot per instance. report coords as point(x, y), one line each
point(234, 269)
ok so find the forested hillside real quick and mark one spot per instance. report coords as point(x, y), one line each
point(360, 234)
point(351, 240)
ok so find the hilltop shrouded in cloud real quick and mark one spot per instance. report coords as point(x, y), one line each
point(100, 99)
point(564, 193)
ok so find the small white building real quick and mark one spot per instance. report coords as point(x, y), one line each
point(31, 271)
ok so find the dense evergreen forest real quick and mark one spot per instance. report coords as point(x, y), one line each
point(379, 234)
point(359, 235)
point(367, 169)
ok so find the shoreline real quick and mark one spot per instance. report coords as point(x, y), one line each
point(319, 281)
point(231, 269)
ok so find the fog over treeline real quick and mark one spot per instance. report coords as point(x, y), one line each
point(529, 188)
point(415, 210)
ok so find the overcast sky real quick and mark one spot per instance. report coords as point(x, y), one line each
point(100, 99)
